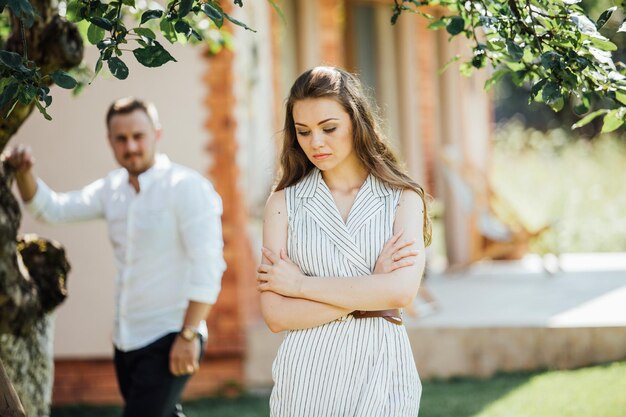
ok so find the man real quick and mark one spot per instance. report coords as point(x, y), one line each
point(164, 225)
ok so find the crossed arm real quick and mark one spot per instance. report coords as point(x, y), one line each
point(290, 300)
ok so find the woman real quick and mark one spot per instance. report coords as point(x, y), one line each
point(343, 238)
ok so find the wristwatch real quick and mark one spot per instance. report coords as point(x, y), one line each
point(189, 333)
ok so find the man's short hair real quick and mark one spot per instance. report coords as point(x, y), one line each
point(128, 105)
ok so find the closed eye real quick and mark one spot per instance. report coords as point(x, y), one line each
point(303, 132)
point(329, 129)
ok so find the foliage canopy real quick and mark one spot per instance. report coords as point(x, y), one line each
point(113, 27)
point(550, 44)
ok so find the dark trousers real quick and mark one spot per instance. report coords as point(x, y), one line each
point(146, 383)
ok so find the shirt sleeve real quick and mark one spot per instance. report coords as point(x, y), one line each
point(199, 211)
point(52, 207)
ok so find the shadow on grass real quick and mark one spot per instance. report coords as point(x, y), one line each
point(465, 397)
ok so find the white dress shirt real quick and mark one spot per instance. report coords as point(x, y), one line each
point(167, 241)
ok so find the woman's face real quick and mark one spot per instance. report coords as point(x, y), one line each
point(324, 132)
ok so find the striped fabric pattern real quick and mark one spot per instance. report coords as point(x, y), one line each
point(349, 367)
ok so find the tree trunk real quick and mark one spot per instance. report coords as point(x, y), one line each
point(26, 296)
point(32, 283)
point(10, 405)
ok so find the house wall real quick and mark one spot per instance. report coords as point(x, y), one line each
point(72, 150)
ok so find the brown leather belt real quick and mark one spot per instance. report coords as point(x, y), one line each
point(392, 316)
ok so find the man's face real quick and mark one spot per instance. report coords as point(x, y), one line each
point(133, 139)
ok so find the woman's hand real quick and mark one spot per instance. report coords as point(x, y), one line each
point(281, 276)
point(395, 255)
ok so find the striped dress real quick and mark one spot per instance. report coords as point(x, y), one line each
point(349, 367)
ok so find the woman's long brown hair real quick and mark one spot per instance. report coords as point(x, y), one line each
point(369, 143)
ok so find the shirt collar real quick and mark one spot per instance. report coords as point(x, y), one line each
point(148, 177)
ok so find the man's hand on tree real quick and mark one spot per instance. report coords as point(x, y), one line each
point(20, 158)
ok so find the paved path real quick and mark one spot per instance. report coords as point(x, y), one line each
point(589, 291)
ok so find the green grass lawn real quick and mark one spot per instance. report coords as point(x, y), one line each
point(598, 391)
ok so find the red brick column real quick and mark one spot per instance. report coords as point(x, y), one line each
point(427, 74)
point(331, 24)
point(229, 316)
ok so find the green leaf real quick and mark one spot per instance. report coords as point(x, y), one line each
point(104, 44)
point(26, 94)
point(551, 93)
point(118, 68)
point(588, 118)
point(97, 69)
point(153, 55)
point(73, 12)
point(167, 29)
point(11, 60)
point(184, 8)
point(466, 69)
point(42, 110)
point(550, 59)
point(101, 22)
point(621, 96)
point(519, 77)
point(23, 10)
point(130, 3)
point(238, 23)
point(151, 14)
point(450, 62)
point(63, 79)
point(95, 34)
point(106, 54)
point(605, 16)
point(558, 104)
point(8, 94)
point(613, 120)
point(182, 27)
point(496, 44)
point(602, 43)
point(478, 61)
point(278, 10)
point(495, 77)
point(145, 32)
point(112, 13)
point(581, 109)
point(514, 50)
point(537, 87)
point(438, 24)
point(214, 12)
point(455, 25)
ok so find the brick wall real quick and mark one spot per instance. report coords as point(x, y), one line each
point(93, 381)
